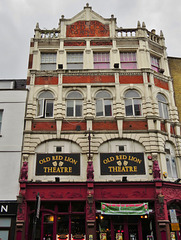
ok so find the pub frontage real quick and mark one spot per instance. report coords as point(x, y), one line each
point(101, 157)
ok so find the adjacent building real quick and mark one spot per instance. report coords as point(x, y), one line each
point(101, 149)
point(12, 111)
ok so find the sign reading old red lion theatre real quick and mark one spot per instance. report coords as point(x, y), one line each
point(58, 164)
point(122, 164)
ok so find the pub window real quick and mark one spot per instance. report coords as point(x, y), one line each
point(163, 106)
point(121, 148)
point(75, 60)
point(48, 61)
point(128, 60)
point(101, 60)
point(155, 63)
point(133, 103)
point(171, 161)
point(45, 104)
point(74, 101)
point(103, 104)
point(59, 149)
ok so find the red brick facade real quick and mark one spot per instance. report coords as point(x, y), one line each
point(161, 84)
point(73, 126)
point(135, 125)
point(126, 79)
point(87, 29)
point(104, 125)
point(89, 79)
point(46, 80)
point(44, 126)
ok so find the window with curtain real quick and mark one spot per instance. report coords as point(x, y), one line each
point(133, 106)
point(171, 161)
point(45, 104)
point(128, 60)
point(163, 106)
point(101, 60)
point(74, 102)
point(155, 63)
point(48, 61)
point(103, 104)
point(75, 60)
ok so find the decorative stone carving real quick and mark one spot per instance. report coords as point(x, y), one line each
point(90, 171)
point(24, 172)
point(156, 170)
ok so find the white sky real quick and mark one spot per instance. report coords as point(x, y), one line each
point(18, 19)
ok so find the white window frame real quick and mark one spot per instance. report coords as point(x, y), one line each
point(171, 161)
point(163, 106)
point(133, 103)
point(97, 63)
point(103, 101)
point(42, 106)
point(75, 60)
point(48, 61)
point(132, 60)
point(155, 63)
point(74, 100)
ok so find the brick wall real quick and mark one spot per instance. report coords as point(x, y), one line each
point(130, 79)
point(135, 125)
point(161, 84)
point(89, 79)
point(104, 125)
point(46, 80)
point(44, 126)
point(73, 126)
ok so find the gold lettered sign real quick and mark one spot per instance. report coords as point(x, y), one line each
point(122, 163)
point(58, 164)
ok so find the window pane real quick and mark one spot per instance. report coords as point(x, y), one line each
point(103, 94)
point(5, 222)
point(49, 108)
point(168, 167)
point(74, 95)
point(40, 108)
point(70, 110)
point(75, 66)
point(160, 109)
point(4, 234)
point(99, 108)
point(46, 94)
point(101, 65)
point(132, 94)
point(137, 107)
point(128, 65)
point(63, 226)
point(129, 108)
point(78, 109)
point(165, 111)
point(48, 66)
point(174, 169)
point(108, 109)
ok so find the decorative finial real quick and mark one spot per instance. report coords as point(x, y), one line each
point(62, 16)
point(112, 15)
point(153, 31)
point(161, 33)
point(37, 25)
point(143, 25)
point(138, 24)
point(87, 4)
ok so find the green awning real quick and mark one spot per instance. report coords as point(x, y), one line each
point(124, 209)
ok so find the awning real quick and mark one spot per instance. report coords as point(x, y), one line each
point(124, 209)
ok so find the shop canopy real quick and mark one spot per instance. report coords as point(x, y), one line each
point(124, 209)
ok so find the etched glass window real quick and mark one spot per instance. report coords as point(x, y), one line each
point(74, 104)
point(101, 60)
point(75, 60)
point(155, 63)
point(163, 106)
point(48, 61)
point(171, 161)
point(128, 60)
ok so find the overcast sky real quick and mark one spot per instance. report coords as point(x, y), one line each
point(18, 19)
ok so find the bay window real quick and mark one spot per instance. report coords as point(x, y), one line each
point(155, 63)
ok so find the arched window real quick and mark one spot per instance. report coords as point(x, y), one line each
point(74, 104)
point(133, 103)
point(163, 106)
point(45, 104)
point(103, 104)
point(170, 160)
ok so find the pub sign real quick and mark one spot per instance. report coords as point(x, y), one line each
point(122, 163)
point(58, 164)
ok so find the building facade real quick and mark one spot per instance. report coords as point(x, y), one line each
point(102, 135)
point(12, 112)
